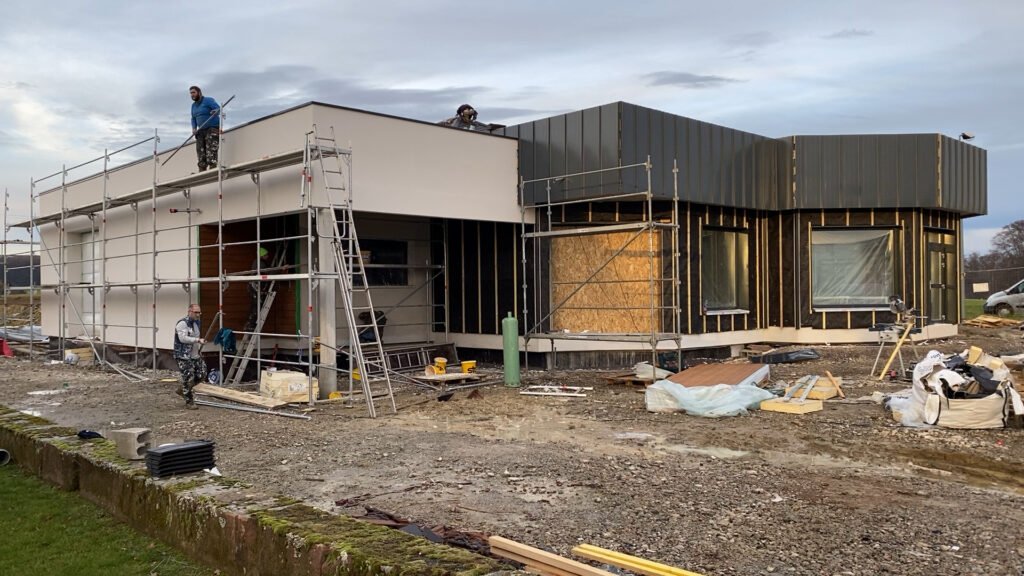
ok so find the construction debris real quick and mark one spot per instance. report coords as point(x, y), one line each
point(970, 390)
point(822, 389)
point(992, 321)
point(786, 357)
point(548, 390)
point(238, 396)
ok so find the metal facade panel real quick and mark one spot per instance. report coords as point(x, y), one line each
point(694, 167)
point(610, 148)
point(852, 188)
point(556, 156)
point(927, 170)
point(629, 137)
point(964, 177)
point(542, 155)
point(869, 167)
point(808, 171)
point(592, 147)
point(907, 172)
point(888, 171)
point(831, 172)
point(660, 157)
point(574, 153)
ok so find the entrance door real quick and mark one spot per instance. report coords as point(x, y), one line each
point(941, 267)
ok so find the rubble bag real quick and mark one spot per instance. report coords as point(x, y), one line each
point(986, 412)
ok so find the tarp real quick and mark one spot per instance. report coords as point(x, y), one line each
point(786, 357)
point(708, 401)
point(23, 334)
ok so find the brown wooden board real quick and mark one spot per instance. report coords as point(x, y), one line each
point(711, 374)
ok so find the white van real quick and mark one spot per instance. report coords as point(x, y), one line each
point(1007, 301)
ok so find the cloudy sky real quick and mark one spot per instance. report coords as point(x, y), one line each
point(78, 77)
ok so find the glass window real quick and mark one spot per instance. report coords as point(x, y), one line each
point(725, 277)
point(852, 267)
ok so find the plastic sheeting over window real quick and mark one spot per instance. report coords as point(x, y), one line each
point(852, 267)
point(725, 282)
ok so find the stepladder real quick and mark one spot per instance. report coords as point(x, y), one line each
point(366, 361)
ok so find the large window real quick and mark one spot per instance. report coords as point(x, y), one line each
point(725, 279)
point(852, 268)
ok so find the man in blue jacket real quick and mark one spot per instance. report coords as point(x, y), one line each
point(205, 127)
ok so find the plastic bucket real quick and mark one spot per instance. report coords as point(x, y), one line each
point(468, 366)
point(441, 364)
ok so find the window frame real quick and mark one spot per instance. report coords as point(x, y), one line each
point(896, 286)
point(738, 309)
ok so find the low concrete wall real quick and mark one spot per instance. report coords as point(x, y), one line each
point(223, 523)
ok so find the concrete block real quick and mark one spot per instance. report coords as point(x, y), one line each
point(132, 443)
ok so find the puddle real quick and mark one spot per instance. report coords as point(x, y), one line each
point(712, 451)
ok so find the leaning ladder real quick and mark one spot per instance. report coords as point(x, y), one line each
point(248, 344)
point(366, 357)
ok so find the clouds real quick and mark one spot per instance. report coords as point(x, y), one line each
point(77, 80)
point(686, 79)
point(848, 33)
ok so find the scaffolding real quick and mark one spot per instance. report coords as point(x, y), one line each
point(660, 281)
point(97, 285)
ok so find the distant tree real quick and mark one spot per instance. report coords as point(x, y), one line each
point(1008, 245)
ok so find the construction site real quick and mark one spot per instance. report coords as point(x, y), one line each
point(609, 340)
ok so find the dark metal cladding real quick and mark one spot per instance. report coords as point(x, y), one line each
point(889, 171)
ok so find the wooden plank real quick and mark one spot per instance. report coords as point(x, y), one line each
point(448, 377)
point(238, 396)
point(792, 406)
point(835, 382)
point(821, 391)
point(503, 547)
point(631, 563)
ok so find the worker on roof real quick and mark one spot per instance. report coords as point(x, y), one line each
point(465, 118)
point(205, 127)
point(258, 290)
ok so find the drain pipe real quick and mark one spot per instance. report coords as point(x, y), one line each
point(5, 456)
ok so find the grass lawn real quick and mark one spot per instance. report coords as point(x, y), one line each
point(972, 308)
point(44, 531)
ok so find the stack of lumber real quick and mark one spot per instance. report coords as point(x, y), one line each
point(547, 564)
point(990, 321)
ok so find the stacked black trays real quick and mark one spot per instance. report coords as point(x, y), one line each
point(191, 456)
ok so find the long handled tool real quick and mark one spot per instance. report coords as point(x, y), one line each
point(191, 136)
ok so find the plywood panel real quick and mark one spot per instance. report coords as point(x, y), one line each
point(618, 299)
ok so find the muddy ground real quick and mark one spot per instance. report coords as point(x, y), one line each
point(842, 491)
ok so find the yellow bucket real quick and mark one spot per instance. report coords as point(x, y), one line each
point(468, 366)
point(440, 365)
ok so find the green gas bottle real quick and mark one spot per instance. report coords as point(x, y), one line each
point(510, 345)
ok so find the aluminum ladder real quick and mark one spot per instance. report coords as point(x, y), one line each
point(367, 356)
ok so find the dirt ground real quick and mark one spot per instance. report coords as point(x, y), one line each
point(843, 491)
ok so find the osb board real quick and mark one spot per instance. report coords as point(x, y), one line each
point(711, 374)
point(792, 406)
point(237, 260)
point(622, 283)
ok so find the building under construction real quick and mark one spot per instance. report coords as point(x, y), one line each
point(613, 233)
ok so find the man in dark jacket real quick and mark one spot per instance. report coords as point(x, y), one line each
point(205, 127)
point(465, 119)
point(187, 343)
